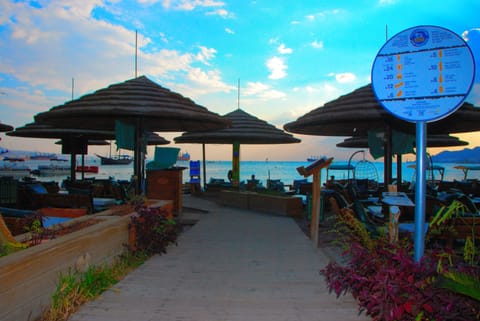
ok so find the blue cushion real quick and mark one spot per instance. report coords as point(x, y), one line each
point(48, 221)
point(410, 227)
point(38, 188)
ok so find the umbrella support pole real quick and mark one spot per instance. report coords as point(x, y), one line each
point(138, 174)
point(204, 168)
point(73, 165)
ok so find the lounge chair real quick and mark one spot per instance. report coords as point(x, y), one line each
point(33, 196)
point(339, 203)
point(455, 222)
point(275, 185)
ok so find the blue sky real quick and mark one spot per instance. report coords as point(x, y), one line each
point(290, 56)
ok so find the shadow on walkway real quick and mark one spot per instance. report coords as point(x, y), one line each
point(231, 265)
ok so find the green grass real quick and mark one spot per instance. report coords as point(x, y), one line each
point(74, 288)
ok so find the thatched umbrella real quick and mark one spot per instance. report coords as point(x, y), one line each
point(358, 112)
point(74, 141)
point(155, 139)
point(432, 141)
point(136, 105)
point(5, 127)
point(244, 129)
point(37, 130)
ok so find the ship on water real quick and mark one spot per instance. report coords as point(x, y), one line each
point(313, 158)
point(43, 156)
point(115, 160)
point(183, 157)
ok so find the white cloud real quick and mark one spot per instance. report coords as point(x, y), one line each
point(284, 50)
point(262, 91)
point(220, 12)
point(273, 41)
point(325, 89)
point(189, 5)
point(277, 68)
point(387, 2)
point(317, 44)
point(163, 37)
point(206, 54)
point(230, 31)
point(466, 33)
point(346, 77)
point(149, 1)
point(323, 14)
point(67, 42)
point(253, 88)
point(207, 82)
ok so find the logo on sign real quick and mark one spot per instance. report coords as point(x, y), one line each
point(419, 37)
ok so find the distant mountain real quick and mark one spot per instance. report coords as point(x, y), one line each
point(465, 155)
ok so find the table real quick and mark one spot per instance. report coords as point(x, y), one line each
point(394, 200)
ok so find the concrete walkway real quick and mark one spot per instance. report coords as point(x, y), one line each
point(232, 265)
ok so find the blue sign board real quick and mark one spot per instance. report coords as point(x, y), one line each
point(423, 73)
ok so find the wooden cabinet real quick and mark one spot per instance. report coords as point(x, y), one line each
point(166, 184)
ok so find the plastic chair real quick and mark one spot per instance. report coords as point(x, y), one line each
point(195, 179)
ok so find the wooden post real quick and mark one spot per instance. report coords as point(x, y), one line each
point(236, 165)
point(316, 194)
point(315, 170)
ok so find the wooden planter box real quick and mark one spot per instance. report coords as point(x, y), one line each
point(234, 199)
point(276, 204)
point(29, 277)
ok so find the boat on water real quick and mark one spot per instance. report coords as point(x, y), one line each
point(56, 159)
point(16, 171)
point(313, 158)
point(43, 156)
point(87, 169)
point(115, 160)
point(14, 159)
point(52, 170)
point(183, 157)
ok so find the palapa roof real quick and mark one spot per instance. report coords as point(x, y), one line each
point(135, 100)
point(38, 130)
point(90, 142)
point(155, 139)
point(5, 127)
point(432, 141)
point(355, 113)
point(244, 129)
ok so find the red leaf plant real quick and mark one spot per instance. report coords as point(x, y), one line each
point(390, 286)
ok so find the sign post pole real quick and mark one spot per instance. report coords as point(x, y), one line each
point(420, 191)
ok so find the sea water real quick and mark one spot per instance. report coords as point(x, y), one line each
point(286, 171)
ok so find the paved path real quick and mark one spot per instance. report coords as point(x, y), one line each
point(233, 265)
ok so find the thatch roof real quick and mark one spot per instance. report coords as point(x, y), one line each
point(432, 141)
point(155, 139)
point(135, 100)
point(5, 127)
point(244, 129)
point(355, 113)
point(37, 130)
point(90, 142)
